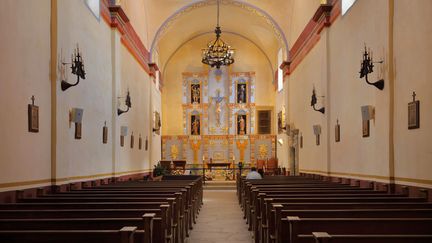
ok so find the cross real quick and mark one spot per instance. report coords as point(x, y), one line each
point(414, 95)
point(218, 98)
point(33, 99)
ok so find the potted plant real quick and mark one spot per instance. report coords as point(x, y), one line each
point(158, 172)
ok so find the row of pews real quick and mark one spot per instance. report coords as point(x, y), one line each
point(297, 209)
point(122, 212)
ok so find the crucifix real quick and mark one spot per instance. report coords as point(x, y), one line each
point(218, 109)
point(414, 95)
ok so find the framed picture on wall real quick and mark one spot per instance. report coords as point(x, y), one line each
point(33, 117)
point(78, 130)
point(414, 114)
point(105, 134)
point(366, 128)
point(337, 133)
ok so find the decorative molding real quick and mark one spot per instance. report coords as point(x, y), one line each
point(115, 17)
point(324, 16)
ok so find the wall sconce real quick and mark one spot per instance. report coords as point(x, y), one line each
point(366, 67)
point(314, 101)
point(127, 103)
point(77, 66)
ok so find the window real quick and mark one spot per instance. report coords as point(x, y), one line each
point(264, 122)
point(94, 6)
point(346, 4)
point(280, 71)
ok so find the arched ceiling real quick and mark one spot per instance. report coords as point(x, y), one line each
point(195, 18)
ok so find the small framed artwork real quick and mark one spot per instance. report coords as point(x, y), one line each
point(366, 129)
point(33, 117)
point(414, 114)
point(337, 133)
point(105, 134)
point(78, 130)
point(121, 141)
point(140, 142)
point(301, 141)
point(132, 141)
point(317, 139)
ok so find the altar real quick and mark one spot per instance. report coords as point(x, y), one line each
point(219, 124)
point(225, 165)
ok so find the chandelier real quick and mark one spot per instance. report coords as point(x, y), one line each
point(217, 53)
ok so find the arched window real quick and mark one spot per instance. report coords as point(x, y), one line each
point(346, 4)
point(280, 71)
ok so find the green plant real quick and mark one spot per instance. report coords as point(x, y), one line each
point(159, 170)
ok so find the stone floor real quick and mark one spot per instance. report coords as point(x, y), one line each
point(220, 220)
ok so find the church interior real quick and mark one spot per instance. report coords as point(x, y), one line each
point(143, 120)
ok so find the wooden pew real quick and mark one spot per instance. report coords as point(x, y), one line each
point(81, 224)
point(324, 237)
point(124, 235)
point(299, 226)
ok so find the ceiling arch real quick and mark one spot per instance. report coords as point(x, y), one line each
point(199, 18)
point(226, 32)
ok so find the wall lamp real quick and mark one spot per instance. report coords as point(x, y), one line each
point(366, 67)
point(314, 101)
point(77, 66)
point(127, 103)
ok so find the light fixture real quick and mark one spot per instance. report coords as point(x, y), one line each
point(366, 67)
point(314, 101)
point(218, 53)
point(127, 103)
point(77, 66)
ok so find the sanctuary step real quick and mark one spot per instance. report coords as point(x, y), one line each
point(219, 185)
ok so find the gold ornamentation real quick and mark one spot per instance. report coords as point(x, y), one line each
point(263, 151)
point(174, 152)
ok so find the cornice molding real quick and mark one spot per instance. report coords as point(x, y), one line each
point(324, 16)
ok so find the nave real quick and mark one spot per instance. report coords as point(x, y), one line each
point(220, 219)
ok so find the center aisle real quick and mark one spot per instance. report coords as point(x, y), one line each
point(220, 220)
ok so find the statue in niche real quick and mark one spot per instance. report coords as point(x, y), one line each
point(241, 124)
point(241, 93)
point(195, 93)
point(195, 125)
point(218, 109)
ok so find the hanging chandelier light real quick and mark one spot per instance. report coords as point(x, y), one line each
point(218, 53)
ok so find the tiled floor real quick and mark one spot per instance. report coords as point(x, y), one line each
point(220, 220)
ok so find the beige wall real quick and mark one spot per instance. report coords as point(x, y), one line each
point(333, 65)
point(25, 42)
point(87, 156)
point(110, 70)
point(412, 55)
point(188, 59)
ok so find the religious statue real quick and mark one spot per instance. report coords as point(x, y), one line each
point(195, 90)
point(241, 93)
point(218, 109)
point(241, 125)
point(195, 125)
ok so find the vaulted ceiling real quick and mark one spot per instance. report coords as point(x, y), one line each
point(186, 20)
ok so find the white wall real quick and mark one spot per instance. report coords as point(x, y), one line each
point(25, 68)
point(87, 156)
point(333, 65)
point(25, 158)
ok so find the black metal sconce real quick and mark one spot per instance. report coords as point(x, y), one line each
point(127, 103)
point(367, 65)
point(77, 66)
point(314, 101)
